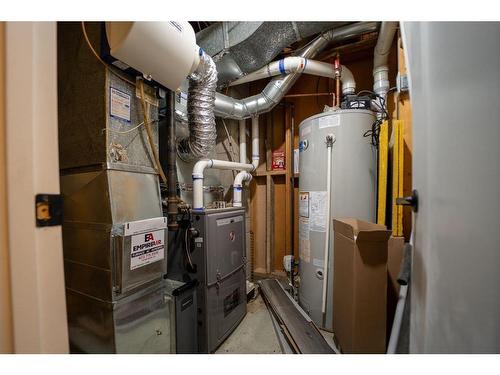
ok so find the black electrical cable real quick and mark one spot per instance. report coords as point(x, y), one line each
point(374, 132)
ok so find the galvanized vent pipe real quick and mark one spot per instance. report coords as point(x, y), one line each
point(380, 57)
point(276, 89)
point(296, 64)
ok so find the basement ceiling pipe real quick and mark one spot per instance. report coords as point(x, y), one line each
point(272, 94)
point(296, 64)
point(381, 83)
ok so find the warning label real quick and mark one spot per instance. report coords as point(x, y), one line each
point(120, 104)
point(147, 248)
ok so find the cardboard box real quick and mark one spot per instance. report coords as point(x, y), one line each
point(394, 258)
point(360, 285)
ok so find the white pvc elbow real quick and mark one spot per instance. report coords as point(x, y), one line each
point(238, 187)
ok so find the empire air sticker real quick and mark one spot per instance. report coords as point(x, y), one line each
point(147, 248)
point(119, 104)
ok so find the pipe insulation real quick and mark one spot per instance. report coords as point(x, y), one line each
point(296, 64)
point(200, 109)
point(276, 89)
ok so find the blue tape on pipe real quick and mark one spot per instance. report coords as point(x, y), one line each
point(281, 66)
point(305, 64)
point(237, 189)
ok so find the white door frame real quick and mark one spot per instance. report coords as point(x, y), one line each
point(36, 258)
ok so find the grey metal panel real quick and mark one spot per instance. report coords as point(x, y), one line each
point(226, 306)
point(454, 82)
point(186, 312)
point(226, 231)
point(134, 196)
point(218, 313)
point(353, 192)
point(145, 322)
point(141, 323)
point(86, 198)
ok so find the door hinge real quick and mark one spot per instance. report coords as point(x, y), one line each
point(48, 210)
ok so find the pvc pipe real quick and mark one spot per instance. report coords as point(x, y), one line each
point(200, 166)
point(398, 320)
point(330, 139)
point(243, 141)
point(296, 64)
point(255, 141)
point(238, 187)
point(199, 169)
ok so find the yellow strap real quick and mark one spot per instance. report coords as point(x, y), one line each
point(383, 156)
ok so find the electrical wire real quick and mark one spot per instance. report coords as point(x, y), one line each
point(186, 243)
point(145, 111)
point(374, 132)
point(123, 132)
point(106, 65)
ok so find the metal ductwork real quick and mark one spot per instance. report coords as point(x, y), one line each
point(381, 56)
point(200, 108)
point(276, 89)
point(237, 46)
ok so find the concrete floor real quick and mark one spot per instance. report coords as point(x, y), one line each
point(256, 333)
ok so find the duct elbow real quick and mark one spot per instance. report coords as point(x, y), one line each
point(348, 82)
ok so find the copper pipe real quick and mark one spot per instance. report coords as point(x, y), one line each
point(337, 80)
point(337, 90)
point(311, 94)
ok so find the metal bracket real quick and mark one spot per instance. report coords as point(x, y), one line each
point(412, 201)
point(48, 210)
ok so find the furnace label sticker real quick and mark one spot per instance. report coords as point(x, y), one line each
point(318, 210)
point(304, 243)
point(229, 220)
point(147, 248)
point(304, 204)
point(119, 104)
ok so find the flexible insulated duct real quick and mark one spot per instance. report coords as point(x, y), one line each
point(276, 89)
point(200, 108)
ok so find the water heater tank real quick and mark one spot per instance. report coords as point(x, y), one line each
point(166, 51)
point(353, 194)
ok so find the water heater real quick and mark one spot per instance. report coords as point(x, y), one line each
point(352, 194)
